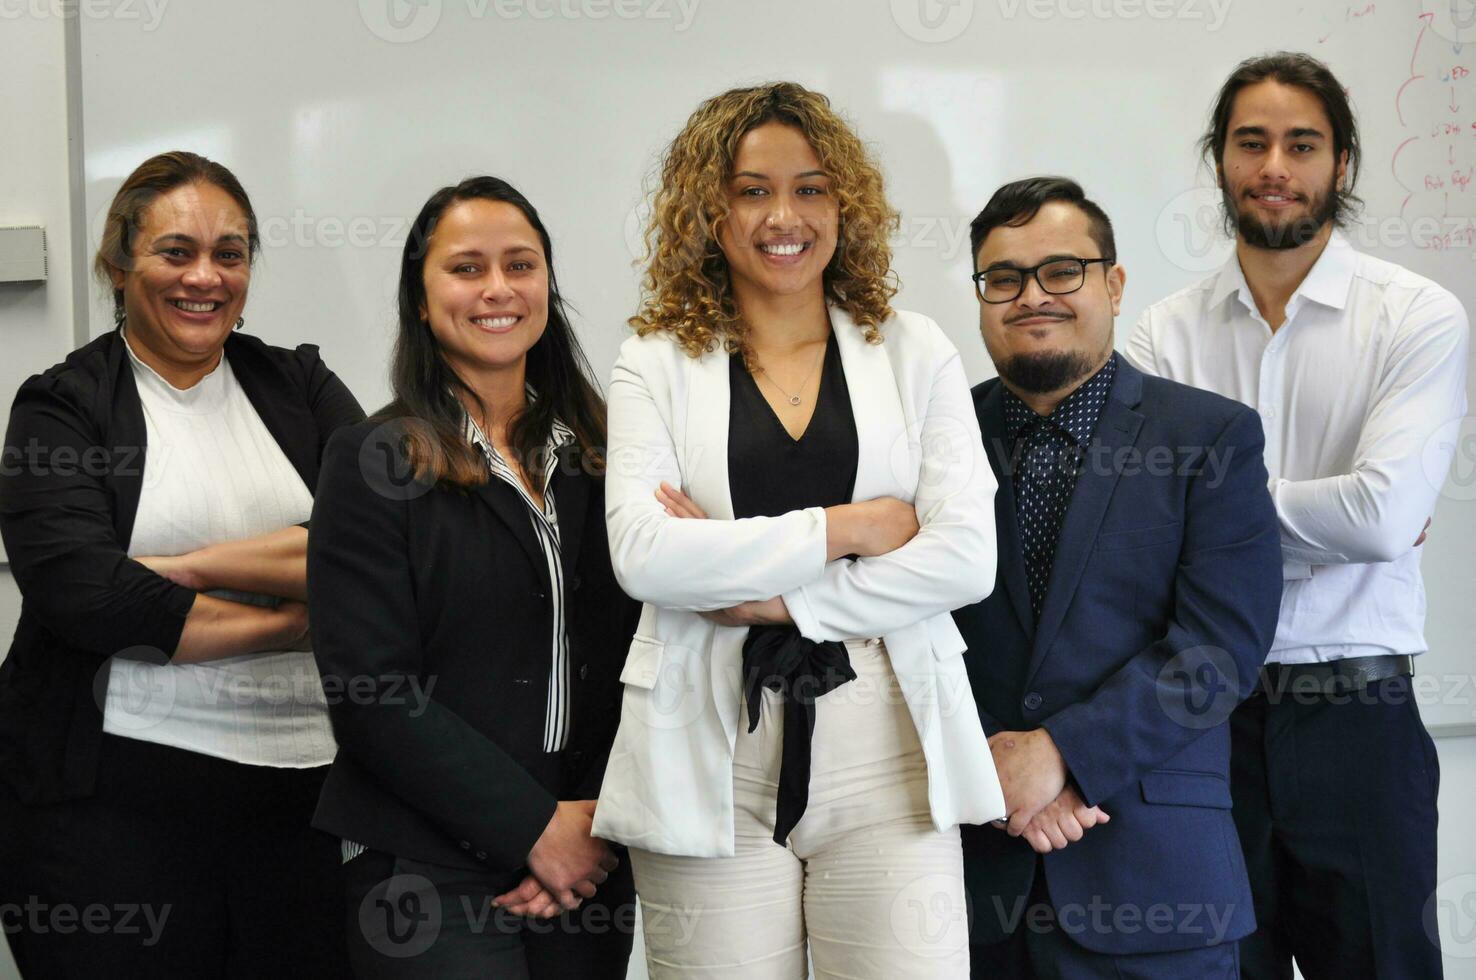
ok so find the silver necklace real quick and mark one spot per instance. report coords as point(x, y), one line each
point(794, 399)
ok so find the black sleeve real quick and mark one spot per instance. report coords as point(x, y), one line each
point(56, 516)
point(333, 405)
point(366, 639)
point(588, 786)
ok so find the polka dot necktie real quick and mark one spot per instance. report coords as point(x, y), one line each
point(1047, 458)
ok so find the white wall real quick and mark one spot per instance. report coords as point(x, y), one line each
point(35, 318)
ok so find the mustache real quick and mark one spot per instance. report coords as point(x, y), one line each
point(1016, 318)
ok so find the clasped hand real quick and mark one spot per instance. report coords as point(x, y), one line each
point(1043, 806)
point(566, 865)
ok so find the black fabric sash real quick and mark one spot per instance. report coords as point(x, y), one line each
point(800, 670)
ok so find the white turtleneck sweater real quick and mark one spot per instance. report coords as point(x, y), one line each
point(214, 473)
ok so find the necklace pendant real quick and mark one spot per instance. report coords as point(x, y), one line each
point(794, 399)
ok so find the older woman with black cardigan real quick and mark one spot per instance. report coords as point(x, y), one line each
point(163, 731)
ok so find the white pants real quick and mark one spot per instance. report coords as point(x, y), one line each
point(865, 878)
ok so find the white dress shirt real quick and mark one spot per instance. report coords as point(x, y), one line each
point(1354, 390)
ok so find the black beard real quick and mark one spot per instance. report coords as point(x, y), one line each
point(1040, 374)
point(1294, 234)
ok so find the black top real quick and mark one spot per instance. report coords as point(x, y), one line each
point(69, 493)
point(1047, 453)
point(770, 473)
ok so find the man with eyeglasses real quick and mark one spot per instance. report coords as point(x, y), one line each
point(1358, 367)
point(1137, 593)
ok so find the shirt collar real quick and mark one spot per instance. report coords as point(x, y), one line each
point(1077, 414)
point(1327, 282)
point(559, 435)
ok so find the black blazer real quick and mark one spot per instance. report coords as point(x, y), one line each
point(69, 489)
point(431, 614)
point(1162, 603)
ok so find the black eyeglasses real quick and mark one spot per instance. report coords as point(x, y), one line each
point(1057, 277)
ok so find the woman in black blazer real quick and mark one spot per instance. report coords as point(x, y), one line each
point(163, 733)
point(463, 601)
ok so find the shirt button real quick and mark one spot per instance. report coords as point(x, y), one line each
point(1033, 701)
point(466, 845)
point(576, 582)
point(481, 855)
point(1268, 413)
point(584, 672)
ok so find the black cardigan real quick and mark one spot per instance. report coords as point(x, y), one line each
point(69, 490)
point(438, 591)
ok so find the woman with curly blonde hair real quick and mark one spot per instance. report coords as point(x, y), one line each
point(797, 491)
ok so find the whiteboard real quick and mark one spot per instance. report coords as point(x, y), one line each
point(341, 118)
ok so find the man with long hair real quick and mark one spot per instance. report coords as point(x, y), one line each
point(1354, 364)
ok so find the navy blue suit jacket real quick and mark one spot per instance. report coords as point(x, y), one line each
point(1162, 603)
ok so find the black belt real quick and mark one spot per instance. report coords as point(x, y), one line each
point(1333, 676)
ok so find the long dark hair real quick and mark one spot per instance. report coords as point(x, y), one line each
point(1301, 71)
point(426, 388)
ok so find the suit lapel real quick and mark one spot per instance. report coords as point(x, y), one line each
point(703, 454)
point(1117, 428)
point(508, 505)
point(990, 410)
point(876, 406)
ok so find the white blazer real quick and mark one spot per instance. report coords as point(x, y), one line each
point(669, 783)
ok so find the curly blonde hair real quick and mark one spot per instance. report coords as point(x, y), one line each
point(686, 290)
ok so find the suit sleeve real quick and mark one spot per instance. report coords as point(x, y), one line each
point(366, 639)
point(678, 563)
point(1227, 601)
point(56, 515)
point(329, 399)
point(332, 404)
point(950, 562)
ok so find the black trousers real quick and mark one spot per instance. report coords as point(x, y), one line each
point(1335, 802)
point(411, 919)
point(180, 865)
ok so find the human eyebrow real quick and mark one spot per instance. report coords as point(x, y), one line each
point(1018, 267)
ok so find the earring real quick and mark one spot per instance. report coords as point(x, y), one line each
point(240, 322)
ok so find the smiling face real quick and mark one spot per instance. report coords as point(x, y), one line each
point(1040, 342)
point(1279, 172)
point(486, 287)
point(780, 232)
point(190, 268)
